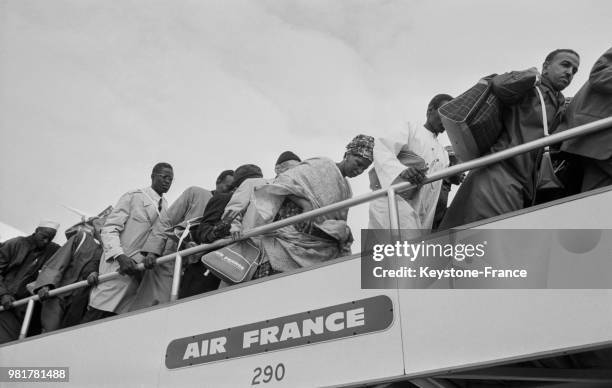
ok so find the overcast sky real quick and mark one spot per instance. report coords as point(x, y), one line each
point(94, 93)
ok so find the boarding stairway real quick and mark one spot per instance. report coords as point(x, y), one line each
point(420, 337)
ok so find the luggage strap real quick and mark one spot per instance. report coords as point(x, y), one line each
point(544, 117)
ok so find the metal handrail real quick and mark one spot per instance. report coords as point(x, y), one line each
point(390, 191)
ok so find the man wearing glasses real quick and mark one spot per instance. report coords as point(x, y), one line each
point(123, 235)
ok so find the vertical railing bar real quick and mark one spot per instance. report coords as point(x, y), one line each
point(26, 319)
point(176, 278)
point(393, 214)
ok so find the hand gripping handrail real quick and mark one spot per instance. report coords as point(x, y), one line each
point(261, 230)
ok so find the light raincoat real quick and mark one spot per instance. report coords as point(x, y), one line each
point(156, 284)
point(125, 231)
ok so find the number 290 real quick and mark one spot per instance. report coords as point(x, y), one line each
point(268, 372)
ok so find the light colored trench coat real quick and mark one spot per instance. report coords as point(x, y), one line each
point(156, 284)
point(125, 231)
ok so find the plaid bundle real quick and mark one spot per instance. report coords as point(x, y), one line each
point(473, 120)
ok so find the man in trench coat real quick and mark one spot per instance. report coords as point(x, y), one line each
point(156, 284)
point(510, 185)
point(123, 235)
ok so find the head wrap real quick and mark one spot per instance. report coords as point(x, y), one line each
point(245, 172)
point(49, 224)
point(362, 145)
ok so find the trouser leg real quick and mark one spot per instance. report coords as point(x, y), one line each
point(155, 287)
point(76, 309)
point(597, 173)
point(10, 324)
point(197, 279)
point(486, 192)
point(51, 314)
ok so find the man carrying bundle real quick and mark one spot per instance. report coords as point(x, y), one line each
point(511, 184)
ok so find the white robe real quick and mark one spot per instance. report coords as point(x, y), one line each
point(417, 212)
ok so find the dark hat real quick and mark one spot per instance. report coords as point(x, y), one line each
point(245, 172)
point(287, 155)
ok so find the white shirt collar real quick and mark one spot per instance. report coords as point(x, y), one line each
point(152, 193)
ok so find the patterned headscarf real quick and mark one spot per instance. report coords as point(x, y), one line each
point(362, 145)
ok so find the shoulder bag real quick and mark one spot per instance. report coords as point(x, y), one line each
point(546, 175)
point(234, 263)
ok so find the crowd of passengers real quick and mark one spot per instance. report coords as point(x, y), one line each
point(140, 227)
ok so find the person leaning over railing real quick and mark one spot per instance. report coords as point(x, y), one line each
point(197, 279)
point(20, 260)
point(592, 102)
point(511, 184)
point(406, 158)
point(237, 205)
point(312, 184)
point(78, 259)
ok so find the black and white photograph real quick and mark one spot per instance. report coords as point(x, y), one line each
point(306, 193)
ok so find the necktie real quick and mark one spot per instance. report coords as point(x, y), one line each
point(159, 205)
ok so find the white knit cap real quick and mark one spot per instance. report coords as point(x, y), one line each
point(49, 224)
